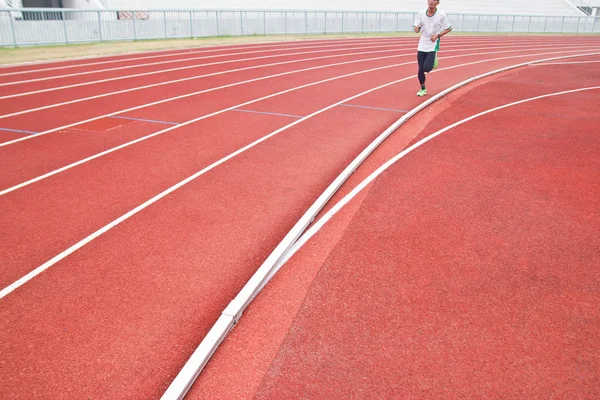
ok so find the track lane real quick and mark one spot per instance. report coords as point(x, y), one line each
point(25, 71)
point(15, 106)
point(195, 271)
point(174, 65)
point(18, 120)
point(524, 244)
point(37, 150)
point(17, 172)
point(59, 117)
point(66, 64)
point(190, 149)
point(434, 117)
point(257, 338)
point(128, 59)
point(58, 83)
point(165, 76)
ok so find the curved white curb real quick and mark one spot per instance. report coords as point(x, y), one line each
point(186, 377)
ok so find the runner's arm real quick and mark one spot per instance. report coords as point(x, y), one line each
point(417, 25)
point(445, 32)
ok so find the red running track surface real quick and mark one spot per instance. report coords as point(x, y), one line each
point(119, 317)
point(469, 269)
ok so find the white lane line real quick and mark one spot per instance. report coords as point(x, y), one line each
point(193, 93)
point(191, 78)
point(232, 47)
point(571, 62)
point(378, 43)
point(188, 79)
point(93, 157)
point(20, 282)
point(221, 47)
point(203, 91)
point(187, 59)
point(181, 51)
point(393, 47)
point(286, 248)
point(237, 106)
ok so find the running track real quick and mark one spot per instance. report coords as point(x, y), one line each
point(115, 270)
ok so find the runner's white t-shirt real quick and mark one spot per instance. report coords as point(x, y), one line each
point(430, 26)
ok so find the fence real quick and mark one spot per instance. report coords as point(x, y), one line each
point(31, 26)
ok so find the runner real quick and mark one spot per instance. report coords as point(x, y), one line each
point(434, 24)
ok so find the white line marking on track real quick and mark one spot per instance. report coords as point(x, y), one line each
point(189, 60)
point(570, 62)
point(181, 51)
point(232, 47)
point(87, 83)
point(232, 108)
point(188, 94)
point(393, 48)
point(122, 146)
point(81, 84)
point(189, 79)
point(220, 47)
point(201, 92)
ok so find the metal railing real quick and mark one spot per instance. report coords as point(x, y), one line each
point(35, 26)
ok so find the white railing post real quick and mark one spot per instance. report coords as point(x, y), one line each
point(165, 19)
point(134, 27)
point(545, 23)
point(100, 25)
point(12, 28)
point(362, 25)
point(306, 22)
point(64, 18)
